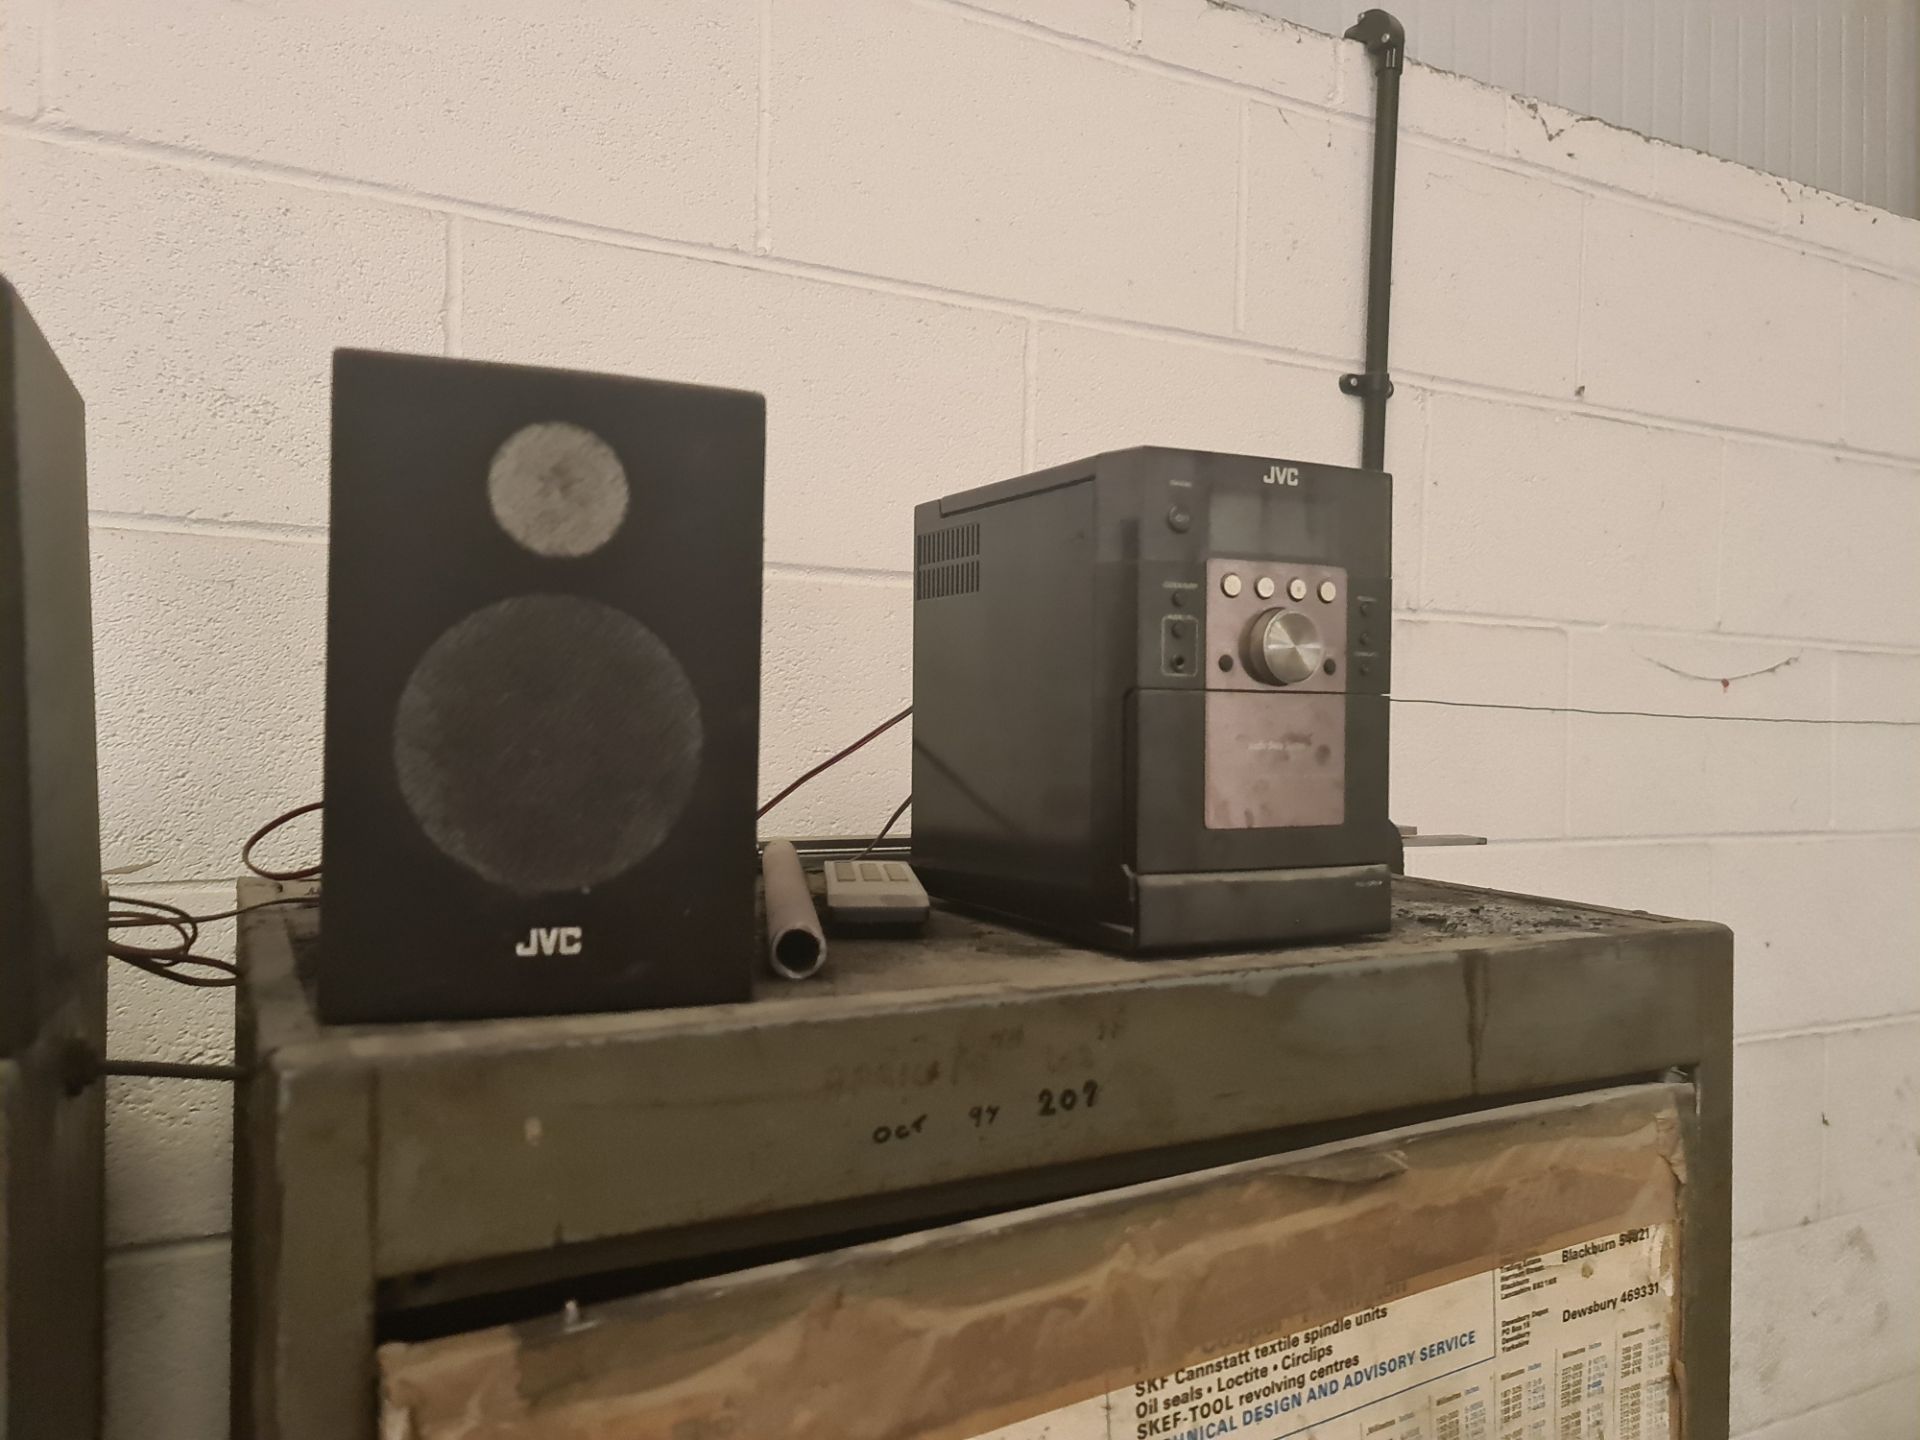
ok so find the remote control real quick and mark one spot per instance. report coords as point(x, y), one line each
point(874, 892)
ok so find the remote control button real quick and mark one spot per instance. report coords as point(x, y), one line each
point(897, 871)
point(1327, 591)
point(1230, 585)
point(843, 870)
point(1263, 587)
point(1297, 588)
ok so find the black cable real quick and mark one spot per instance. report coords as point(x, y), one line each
point(874, 844)
point(1646, 714)
point(835, 759)
point(176, 960)
point(305, 872)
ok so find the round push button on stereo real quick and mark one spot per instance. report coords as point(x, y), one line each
point(1263, 587)
point(1283, 647)
point(1297, 588)
point(1230, 585)
point(1327, 591)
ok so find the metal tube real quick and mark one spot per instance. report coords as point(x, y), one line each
point(796, 945)
point(171, 1070)
point(1386, 41)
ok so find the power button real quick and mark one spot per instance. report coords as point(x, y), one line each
point(1180, 519)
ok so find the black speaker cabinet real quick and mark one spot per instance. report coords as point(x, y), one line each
point(543, 687)
point(52, 917)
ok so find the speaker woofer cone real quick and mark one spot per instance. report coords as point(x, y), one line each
point(547, 743)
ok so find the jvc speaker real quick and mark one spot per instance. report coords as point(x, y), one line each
point(52, 918)
point(1150, 700)
point(543, 687)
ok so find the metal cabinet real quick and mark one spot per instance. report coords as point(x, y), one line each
point(407, 1184)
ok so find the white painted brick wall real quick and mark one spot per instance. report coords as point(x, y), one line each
point(916, 142)
point(216, 356)
point(1556, 514)
point(1656, 446)
point(640, 118)
point(1747, 332)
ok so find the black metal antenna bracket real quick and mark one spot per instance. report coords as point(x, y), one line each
point(1386, 41)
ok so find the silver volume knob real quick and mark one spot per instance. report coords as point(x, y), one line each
point(1283, 647)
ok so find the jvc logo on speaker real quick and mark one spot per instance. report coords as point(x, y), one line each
point(1281, 475)
point(549, 940)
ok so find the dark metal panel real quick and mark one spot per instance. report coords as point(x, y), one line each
point(1706, 1276)
point(52, 1197)
point(496, 1148)
point(303, 1156)
point(1593, 1005)
point(923, 1074)
point(303, 1329)
point(494, 1154)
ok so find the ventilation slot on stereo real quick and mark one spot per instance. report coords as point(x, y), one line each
point(946, 562)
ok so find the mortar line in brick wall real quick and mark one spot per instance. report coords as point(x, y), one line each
point(1768, 1426)
point(1713, 899)
point(1240, 221)
point(1029, 392)
point(43, 60)
point(937, 294)
point(1846, 427)
point(763, 139)
point(283, 534)
point(875, 576)
point(1821, 1182)
point(1833, 747)
point(1580, 299)
point(138, 1249)
point(1723, 461)
point(142, 884)
point(1352, 113)
point(451, 302)
point(1419, 586)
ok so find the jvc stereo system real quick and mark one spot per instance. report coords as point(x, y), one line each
point(1150, 699)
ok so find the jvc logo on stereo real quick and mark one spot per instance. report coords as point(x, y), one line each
point(549, 940)
point(1281, 475)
